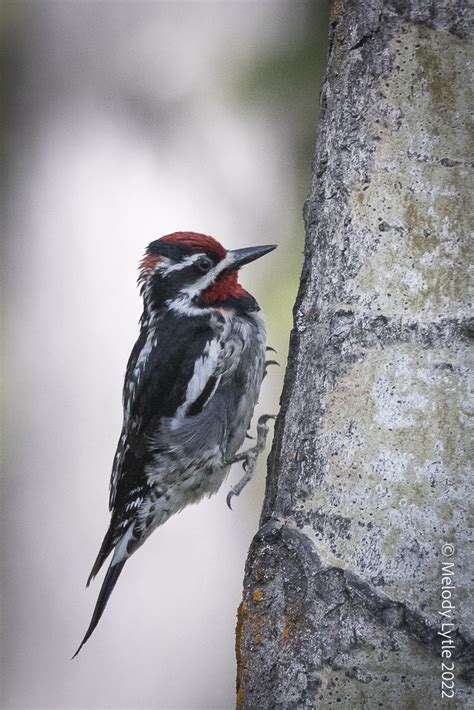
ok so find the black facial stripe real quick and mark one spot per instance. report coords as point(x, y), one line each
point(166, 287)
point(170, 284)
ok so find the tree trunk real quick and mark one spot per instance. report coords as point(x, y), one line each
point(367, 492)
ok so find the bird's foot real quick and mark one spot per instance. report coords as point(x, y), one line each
point(250, 457)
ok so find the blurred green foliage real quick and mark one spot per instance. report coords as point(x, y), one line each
point(287, 82)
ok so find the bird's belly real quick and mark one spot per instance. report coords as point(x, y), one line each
point(196, 460)
point(174, 486)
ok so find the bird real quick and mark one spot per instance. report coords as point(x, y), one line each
point(191, 384)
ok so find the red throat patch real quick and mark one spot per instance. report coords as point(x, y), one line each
point(225, 286)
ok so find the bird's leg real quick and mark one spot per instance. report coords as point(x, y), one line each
point(250, 457)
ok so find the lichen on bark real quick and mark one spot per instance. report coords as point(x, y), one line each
point(368, 473)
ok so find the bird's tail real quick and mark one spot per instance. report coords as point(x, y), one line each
point(113, 573)
point(105, 550)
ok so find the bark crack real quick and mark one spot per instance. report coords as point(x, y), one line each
point(325, 589)
point(368, 35)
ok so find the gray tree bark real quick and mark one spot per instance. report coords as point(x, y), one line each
point(368, 490)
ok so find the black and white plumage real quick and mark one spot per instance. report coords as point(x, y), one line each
point(191, 385)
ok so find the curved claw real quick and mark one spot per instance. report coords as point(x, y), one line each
point(229, 497)
point(271, 362)
point(270, 348)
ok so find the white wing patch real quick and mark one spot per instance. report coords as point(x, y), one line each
point(204, 368)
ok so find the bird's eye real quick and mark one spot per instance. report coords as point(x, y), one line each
point(203, 264)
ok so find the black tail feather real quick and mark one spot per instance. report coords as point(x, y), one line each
point(113, 573)
point(105, 550)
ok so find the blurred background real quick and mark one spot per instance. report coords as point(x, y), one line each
point(121, 122)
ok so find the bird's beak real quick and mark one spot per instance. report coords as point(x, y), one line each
point(239, 257)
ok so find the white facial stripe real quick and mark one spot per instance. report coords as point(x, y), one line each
point(163, 263)
point(177, 266)
point(227, 261)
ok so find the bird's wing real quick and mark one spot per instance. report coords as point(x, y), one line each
point(169, 375)
point(171, 371)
